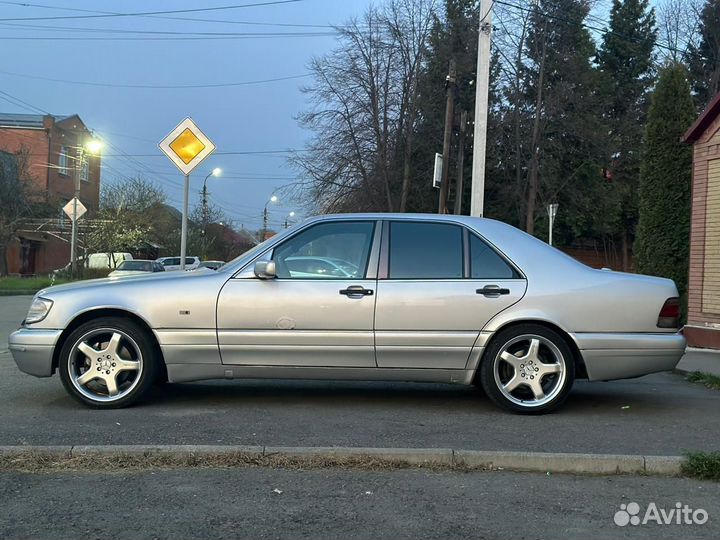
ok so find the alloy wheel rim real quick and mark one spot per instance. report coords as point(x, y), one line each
point(105, 364)
point(530, 370)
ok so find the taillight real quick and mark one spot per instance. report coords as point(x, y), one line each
point(670, 314)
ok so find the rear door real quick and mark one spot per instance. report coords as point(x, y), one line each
point(439, 284)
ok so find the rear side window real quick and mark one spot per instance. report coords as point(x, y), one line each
point(425, 251)
point(485, 263)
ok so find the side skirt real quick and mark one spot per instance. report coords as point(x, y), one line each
point(199, 372)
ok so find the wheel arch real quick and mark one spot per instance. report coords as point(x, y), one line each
point(89, 315)
point(580, 369)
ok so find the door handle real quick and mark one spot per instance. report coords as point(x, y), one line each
point(356, 290)
point(492, 290)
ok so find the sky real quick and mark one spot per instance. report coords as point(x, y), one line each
point(132, 121)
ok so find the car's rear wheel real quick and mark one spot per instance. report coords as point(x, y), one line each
point(108, 363)
point(528, 369)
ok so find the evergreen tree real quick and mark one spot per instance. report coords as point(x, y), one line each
point(625, 62)
point(704, 59)
point(563, 128)
point(663, 234)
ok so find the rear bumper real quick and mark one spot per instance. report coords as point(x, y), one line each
point(33, 349)
point(621, 356)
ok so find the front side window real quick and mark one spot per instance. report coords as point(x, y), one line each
point(63, 161)
point(420, 250)
point(337, 250)
point(485, 263)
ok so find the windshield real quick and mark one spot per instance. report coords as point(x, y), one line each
point(140, 266)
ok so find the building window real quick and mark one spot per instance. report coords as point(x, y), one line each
point(85, 171)
point(63, 161)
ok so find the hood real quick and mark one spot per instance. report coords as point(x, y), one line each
point(120, 280)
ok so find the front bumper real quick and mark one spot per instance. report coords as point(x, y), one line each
point(622, 356)
point(33, 349)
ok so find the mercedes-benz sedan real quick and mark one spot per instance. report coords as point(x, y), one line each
point(431, 298)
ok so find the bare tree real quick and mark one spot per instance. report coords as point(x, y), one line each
point(18, 200)
point(364, 109)
point(125, 219)
point(678, 28)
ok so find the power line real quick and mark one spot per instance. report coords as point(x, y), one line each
point(170, 38)
point(155, 86)
point(190, 19)
point(147, 13)
point(23, 104)
point(13, 26)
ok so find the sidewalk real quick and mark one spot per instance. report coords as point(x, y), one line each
point(705, 360)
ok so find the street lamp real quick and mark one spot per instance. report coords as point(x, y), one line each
point(290, 215)
point(217, 171)
point(91, 146)
point(273, 199)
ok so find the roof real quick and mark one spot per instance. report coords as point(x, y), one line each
point(703, 122)
point(28, 120)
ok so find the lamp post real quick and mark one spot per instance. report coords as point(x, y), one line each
point(273, 199)
point(290, 215)
point(217, 171)
point(92, 146)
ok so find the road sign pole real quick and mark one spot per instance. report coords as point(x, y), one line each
point(183, 232)
point(73, 241)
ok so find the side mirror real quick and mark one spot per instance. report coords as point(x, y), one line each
point(265, 269)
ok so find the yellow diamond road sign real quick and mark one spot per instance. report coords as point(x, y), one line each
point(186, 146)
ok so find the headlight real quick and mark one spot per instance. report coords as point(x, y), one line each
point(38, 310)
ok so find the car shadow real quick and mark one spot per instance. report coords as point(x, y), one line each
point(585, 398)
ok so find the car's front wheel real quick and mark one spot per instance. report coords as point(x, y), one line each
point(528, 369)
point(108, 363)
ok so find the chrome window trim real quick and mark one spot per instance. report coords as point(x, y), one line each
point(384, 262)
point(248, 270)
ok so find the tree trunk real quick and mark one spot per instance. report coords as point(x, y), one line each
point(533, 169)
point(3, 260)
point(625, 251)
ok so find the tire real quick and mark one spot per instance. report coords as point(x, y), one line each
point(528, 369)
point(108, 363)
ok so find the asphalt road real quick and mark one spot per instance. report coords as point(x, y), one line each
point(660, 414)
point(242, 503)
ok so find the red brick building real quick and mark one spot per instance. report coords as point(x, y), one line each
point(53, 146)
point(703, 325)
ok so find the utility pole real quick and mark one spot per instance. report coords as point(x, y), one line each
point(204, 218)
point(459, 184)
point(482, 82)
point(552, 211)
point(449, 114)
point(74, 232)
point(265, 224)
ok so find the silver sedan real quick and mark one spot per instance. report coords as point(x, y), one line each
point(450, 299)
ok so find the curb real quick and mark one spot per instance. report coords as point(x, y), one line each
point(605, 464)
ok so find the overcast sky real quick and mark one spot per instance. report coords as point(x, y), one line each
point(257, 117)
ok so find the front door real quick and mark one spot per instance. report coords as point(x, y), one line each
point(317, 312)
point(439, 286)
